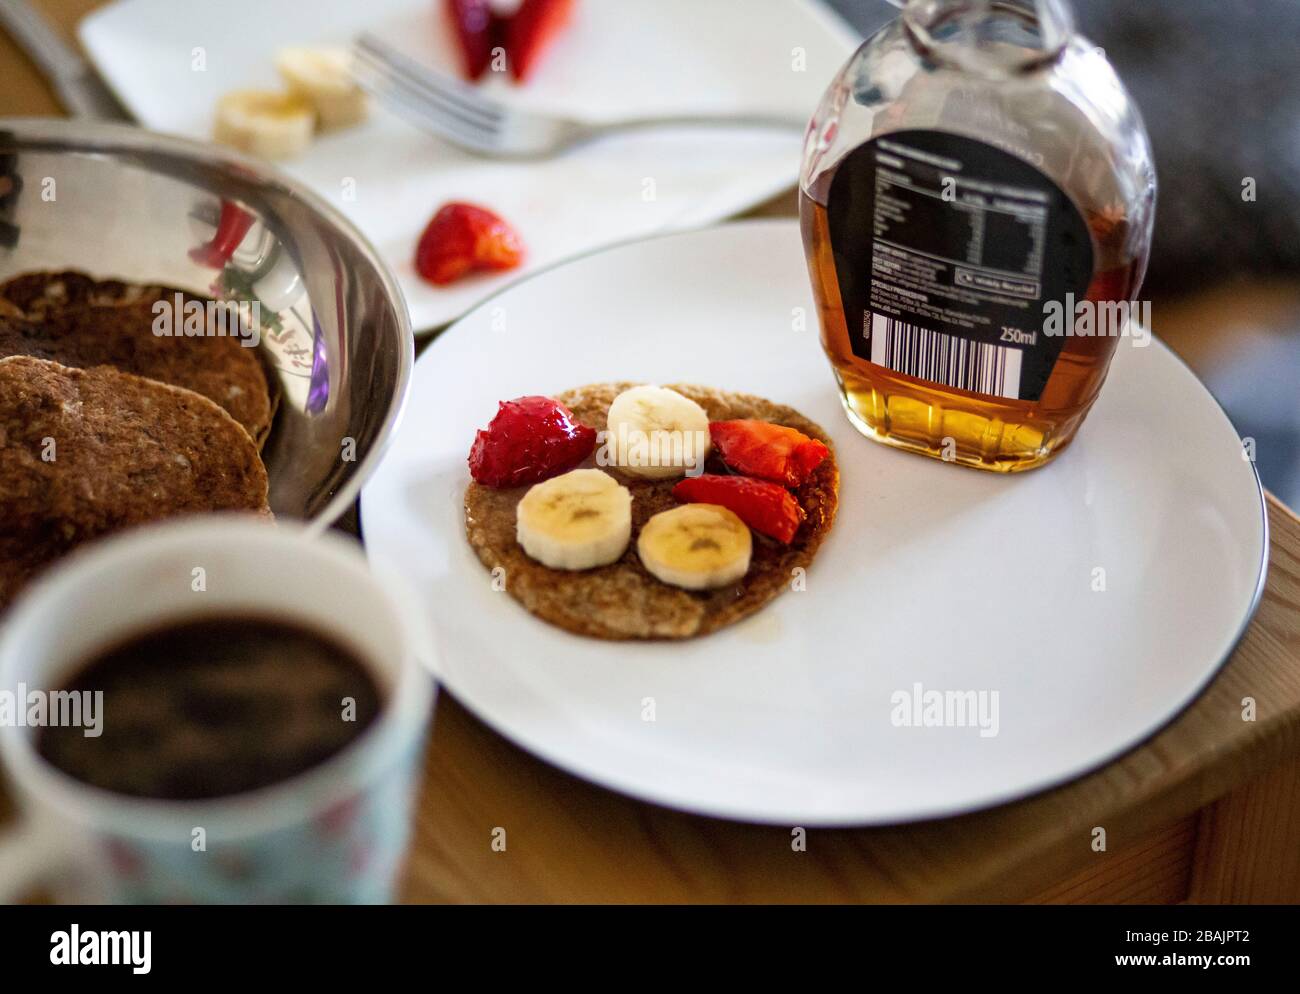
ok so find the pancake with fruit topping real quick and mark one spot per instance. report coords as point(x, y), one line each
point(87, 452)
point(622, 598)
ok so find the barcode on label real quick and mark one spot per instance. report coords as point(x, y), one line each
point(945, 359)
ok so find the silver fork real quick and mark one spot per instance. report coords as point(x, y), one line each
point(464, 116)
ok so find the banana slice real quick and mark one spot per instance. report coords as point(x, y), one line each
point(575, 521)
point(696, 546)
point(270, 125)
point(324, 77)
point(657, 433)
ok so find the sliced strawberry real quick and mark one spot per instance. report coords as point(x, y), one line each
point(764, 506)
point(529, 440)
point(232, 225)
point(530, 30)
point(770, 452)
point(463, 238)
point(472, 24)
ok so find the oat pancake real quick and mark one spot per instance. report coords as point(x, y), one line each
point(121, 335)
point(87, 452)
point(622, 600)
point(20, 561)
point(41, 292)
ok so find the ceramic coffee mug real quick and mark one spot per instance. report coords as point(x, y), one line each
point(333, 834)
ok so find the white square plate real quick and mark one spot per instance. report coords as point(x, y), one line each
point(170, 65)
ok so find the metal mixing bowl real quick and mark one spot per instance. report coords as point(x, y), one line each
point(117, 201)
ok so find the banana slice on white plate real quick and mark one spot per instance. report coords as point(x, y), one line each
point(575, 521)
point(263, 123)
point(696, 546)
point(656, 433)
point(323, 76)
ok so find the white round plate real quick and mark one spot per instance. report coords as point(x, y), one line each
point(935, 578)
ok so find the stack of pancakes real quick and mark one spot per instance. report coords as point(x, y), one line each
point(105, 425)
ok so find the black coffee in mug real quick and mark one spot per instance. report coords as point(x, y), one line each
point(210, 708)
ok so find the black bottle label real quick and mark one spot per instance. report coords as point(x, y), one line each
point(948, 252)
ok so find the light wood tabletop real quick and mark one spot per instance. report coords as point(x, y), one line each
point(1208, 810)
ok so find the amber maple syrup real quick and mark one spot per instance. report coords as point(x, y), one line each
point(992, 165)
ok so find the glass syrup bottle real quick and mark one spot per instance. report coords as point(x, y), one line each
point(973, 165)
